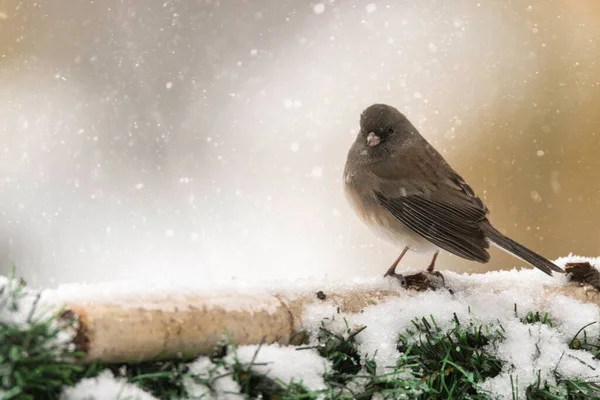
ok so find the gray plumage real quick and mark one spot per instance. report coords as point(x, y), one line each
point(404, 190)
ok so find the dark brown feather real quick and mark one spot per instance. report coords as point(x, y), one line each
point(448, 227)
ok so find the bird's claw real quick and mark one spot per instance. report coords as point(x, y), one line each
point(400, 278)
point(421, 280)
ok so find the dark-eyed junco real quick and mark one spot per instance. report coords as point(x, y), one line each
point(405, 191)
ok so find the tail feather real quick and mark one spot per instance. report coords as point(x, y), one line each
point(519, 250)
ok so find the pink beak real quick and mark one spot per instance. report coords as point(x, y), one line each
point(373, 139)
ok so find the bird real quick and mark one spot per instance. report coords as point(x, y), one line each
point(408, 195)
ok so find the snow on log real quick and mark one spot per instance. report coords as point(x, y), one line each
point(136, 326)
point(168, 326)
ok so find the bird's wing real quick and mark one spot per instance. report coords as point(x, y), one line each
point(447, 213)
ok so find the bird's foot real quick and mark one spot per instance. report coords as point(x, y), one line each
point(425, 280)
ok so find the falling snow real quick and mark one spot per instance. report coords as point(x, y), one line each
point(319, 8)
point(317, 172)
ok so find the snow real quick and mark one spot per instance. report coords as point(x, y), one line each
point(165, 296)
point(16, 312)
point(286, 363)
point(230, 294)
point(563, 308)
point(105, 387)
point(489, 299)
point(371, 8)
point(27, 307)
point(319, 8)
point(224, 386)
point(316, 172)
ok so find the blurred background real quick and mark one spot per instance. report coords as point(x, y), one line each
point(206, 140)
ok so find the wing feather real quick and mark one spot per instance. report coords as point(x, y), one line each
point(450, 226)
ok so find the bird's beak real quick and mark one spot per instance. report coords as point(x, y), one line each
point(373, 139)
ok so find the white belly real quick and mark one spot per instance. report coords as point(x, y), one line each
point(399, 235)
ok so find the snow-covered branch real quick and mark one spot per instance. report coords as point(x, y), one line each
point(142, 326)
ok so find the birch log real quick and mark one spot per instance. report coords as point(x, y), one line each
point(171, 326)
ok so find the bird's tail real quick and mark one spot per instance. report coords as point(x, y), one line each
point(520, 251)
